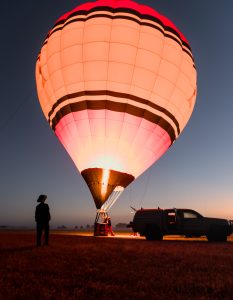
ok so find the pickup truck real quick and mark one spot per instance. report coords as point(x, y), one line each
point(155, 223)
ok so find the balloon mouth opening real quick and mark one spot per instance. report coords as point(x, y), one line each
point(102, 182)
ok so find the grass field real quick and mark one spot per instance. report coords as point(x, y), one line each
point(83, 267)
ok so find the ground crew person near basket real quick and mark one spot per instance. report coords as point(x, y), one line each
point(109, 224)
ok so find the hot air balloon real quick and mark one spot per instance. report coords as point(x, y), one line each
point(117, 83)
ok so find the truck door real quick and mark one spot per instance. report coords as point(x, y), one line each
point(171, 221)
point(192, 223)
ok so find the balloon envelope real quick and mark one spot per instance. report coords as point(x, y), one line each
point(117, 84)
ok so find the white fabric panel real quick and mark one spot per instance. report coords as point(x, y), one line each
point(124, 35)
point(169, 71)
point(148, 60)
point(164, 88)
point(72, 35)
point(120, 73)
point(143, 78)
point(96, 32)
point(122, 53)
point(151, 40)
point(71, 55)
point(172, 52)
point(91, 73)
point(73, 73)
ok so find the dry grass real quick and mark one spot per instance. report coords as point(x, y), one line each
point(84, 267)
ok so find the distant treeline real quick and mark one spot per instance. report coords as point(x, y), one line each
point(89, 227)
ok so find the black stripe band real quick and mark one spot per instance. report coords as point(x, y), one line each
point(61, 24)
point(117, 107)
point(123, 10)
point(116, 95)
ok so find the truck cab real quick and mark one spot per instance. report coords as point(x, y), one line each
point(185, 222)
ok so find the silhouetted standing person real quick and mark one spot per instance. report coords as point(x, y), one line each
point(42, 216)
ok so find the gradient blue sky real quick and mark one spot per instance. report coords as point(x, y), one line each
point(196, 172)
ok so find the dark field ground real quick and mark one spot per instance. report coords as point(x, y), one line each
point(85, 267)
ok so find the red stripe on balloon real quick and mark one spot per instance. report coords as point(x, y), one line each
point(140, 8)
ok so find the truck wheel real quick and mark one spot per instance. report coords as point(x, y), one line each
point(153, 234)
point(149, 236)
point(216, 237)
point(222, 238)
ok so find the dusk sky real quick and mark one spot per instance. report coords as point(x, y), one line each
point(196, 172)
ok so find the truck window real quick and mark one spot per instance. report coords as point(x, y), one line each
point(171, 218)
point(190, 215)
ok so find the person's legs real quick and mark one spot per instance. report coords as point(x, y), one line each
point(39, 229)
point(112, 234)
point(46, 233)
